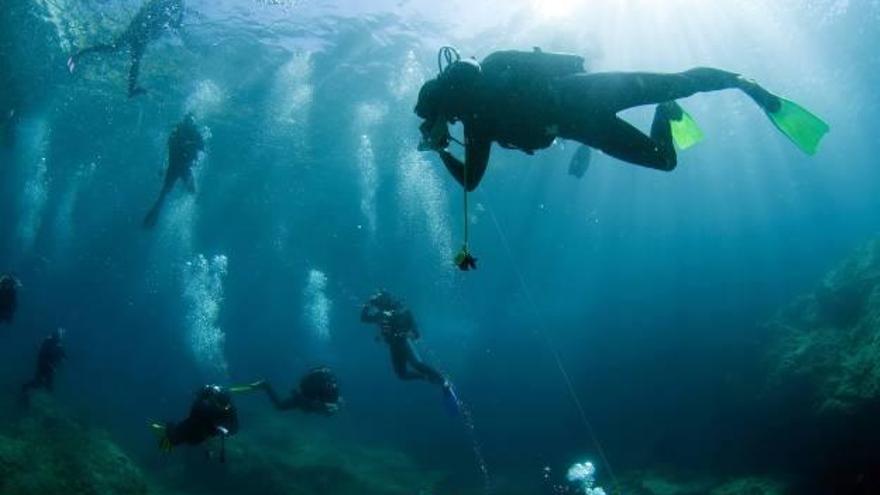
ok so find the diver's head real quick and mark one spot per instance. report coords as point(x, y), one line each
point(217, 396)
point(428, 103)
point(462, 74)
point(320, 384)
point(428, 108)
point(58, 334)
point(7, 282)
point(439, 97)
point(383, 300)
point(445, 99)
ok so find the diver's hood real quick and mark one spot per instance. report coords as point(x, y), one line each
point(436, 94)
point(462, 73)
point(428, 104)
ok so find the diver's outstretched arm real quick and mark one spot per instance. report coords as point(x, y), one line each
point(102, 48)
point(189, 181)
point(474, 166)
point(279, 403)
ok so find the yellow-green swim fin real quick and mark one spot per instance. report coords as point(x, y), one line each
point(803, 128)
point(685, 131)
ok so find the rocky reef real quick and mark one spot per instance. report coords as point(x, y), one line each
point(283, 454)
point(827, 343)
point(671, 482)
point(46, 453)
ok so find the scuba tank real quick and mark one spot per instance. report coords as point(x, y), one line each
point(320, 384)
point(533, 66)
point(524, 83)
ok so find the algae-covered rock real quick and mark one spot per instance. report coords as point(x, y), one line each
point(284, 454)
point(49, 454)
point(661, 482)
point(828, 342)
point(750, 486)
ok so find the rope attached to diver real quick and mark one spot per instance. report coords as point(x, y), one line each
point(464, 260)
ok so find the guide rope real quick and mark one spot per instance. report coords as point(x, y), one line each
point(560, 366)
point(465, 189)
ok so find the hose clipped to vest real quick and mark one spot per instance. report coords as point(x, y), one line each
point(447, 56)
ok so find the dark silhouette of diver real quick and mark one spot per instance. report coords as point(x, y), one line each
point(184, 145)
point(9, 286)
point(397, 327)
point(151, 21)
point(50, 356)
point(212, 414)
point(318, 393)
point(525, 100)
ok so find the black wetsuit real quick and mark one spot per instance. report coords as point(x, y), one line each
point(318, 392)
point(212, 414)
point(8, 299)
point(525, 100)
point(50, 356)
point(398, 329)
point(184, 145)
point(151, 21)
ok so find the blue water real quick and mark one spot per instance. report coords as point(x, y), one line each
point(650, 288)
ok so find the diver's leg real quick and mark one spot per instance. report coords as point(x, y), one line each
point(616, 91)
point(102, 48)
point(137, 52)
point(48, 381)
point(189, 181)
point(400, 359)
point(153, 215)
point(618, 138)
point(417, 364)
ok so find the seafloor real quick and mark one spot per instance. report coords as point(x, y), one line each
point(823, 382)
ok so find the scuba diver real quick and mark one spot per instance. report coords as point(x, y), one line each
point(397, 328)
point(9, 286)
point(150, 22)
point(526, 100)
point(50, 356)
point(184, 146)
point(318, 393)
point(212, 414)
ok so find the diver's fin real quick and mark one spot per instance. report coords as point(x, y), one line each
point(161, 431)
point(580, 161)
point(450, 399)
point(151, 218)
point(685, 132)
point(243, 389)
point(799, 125)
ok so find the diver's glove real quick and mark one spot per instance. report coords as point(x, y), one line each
point(465, 261)
point(435, 136)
